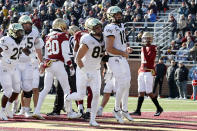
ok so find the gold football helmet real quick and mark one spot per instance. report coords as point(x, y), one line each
point(147, 37)
point(60, 24)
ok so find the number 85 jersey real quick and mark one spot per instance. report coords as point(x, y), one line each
point(92, 58)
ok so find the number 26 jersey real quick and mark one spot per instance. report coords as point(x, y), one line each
point(92, 58)
point(11, 51)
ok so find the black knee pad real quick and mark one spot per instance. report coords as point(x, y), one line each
point(28, 94)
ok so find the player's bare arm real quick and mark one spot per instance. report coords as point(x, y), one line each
point(110, 47)
point(81, 53)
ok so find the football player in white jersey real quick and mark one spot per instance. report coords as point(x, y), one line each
point(25, 65)
point(57, 54)
point(118, 52)
point(88, 61)
point(11, 46)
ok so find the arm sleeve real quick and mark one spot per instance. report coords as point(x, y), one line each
point(65, 51)
point(3, 44)
point(109, 31)
point(39, 43)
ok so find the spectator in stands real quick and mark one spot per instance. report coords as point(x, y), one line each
point(139, 36)
point(187, 34)
point(58, 13)
point(8, 4)
point(193, 53)
point(181, 77)
point(152, 6)
point(165, 5)
point(195, 36)
point(183, 10)
point(43, 16)
point(37, 22)
point(173, 92)
point(173, 24)
point(182, 24)
point(146, 20)
point(159, 5)
point(121, 4)
point(178, 40)
point(193, 77)
point(182, 53)
point(28, 7)
point(20, 7)
point(152, 16)
point(42, 7)
point(189, 43)
point(176, 1)
point(144, 9)
point(171, 51)
point(160, 70)
point(192, 8)
point(190, 24)
point(138, 10)
point(51, 15)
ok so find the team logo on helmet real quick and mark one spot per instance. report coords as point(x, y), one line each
point(60, 24)
point(91, 24)
point(16, 30)
point(112, 11)
point(25, 19)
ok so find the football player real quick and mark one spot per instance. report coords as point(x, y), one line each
point(57, 54)
point(118, 51)
point(88, 61)
point(25, 66)
point(77, 36)
point(11, 46)
point(146, 74)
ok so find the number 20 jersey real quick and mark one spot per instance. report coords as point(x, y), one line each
point(92, 58)
point(11, 51)
point(118, 31)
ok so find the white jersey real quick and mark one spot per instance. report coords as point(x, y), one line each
point(119, 33)
point(95, 52)
point(11, 51)
point(32, 42)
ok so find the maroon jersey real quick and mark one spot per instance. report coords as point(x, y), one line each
point(148, 55)
point(54, 45)
point(78, 35)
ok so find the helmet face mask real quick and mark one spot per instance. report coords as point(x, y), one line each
point(147, 38)
point(94, 26)
point(16, 31)
point(114, 14)
point(26, 22)
point(59, 24)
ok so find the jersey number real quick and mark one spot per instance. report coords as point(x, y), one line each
point(29, 42)
point(98, 51)
point(122, 35)
point(16, 54)
point(53, 47)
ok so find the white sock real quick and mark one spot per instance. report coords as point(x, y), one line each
point(100, 108)
point(95, 102)
point(26, 109)
point(22, 108)
point(8, 104)
point(88, 109)
point(80, 107)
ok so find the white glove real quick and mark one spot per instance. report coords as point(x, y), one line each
point(72, 71)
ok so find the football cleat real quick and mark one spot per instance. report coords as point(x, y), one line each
point(158, 112)
point(99, 112)
point(3, 116)
point(127, 116)
point(136, 113)
point(72, 115)
point(93, 123)
point(118, 116)
point(38, 116)
point(86, 115)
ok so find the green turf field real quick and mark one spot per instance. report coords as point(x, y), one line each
point(167, 104)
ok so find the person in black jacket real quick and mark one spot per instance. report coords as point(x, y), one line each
point(160, 69)
point(181, 77)
point(173, 91)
